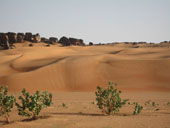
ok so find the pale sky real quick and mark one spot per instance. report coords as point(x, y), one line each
point(95, 21)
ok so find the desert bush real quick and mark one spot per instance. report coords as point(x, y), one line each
point(6, 103)
point(151, 103)
point(109, 100)
point(154, 104)
point(138, 108)
point(92, 102)
point(64, 105)
point(31, 105)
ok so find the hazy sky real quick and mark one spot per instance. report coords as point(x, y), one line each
point(92, 20)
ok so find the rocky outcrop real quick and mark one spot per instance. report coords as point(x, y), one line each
point(36, 38)
point(28, 36)
point(45, 40)
point(81, 42)
point(165, 42)
point(71, 41)
point(4, 41)
point(90, 43)
point(53, 40)
point(32, 38)
point(12, 37)
point(64, 41)
point(20, 37)
point(74, 41)
point(7, 40)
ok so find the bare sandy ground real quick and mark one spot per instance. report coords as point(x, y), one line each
point(72, 74)
point(80, 113)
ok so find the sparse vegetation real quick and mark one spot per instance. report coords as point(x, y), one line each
point(31, 105)
point(151, 103)
point(6, 103)
point(64, 105)
point(138, 108)
point(109, 100)
point(92, 102)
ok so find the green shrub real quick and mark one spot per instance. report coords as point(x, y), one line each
point(92, 102)
point(109, 100)
point(64, 105)
point(31, 105)
point(138, 108)
point(6, 103)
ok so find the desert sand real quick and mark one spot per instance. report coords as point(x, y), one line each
point(72, 74)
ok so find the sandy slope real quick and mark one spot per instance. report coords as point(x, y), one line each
point(78, 68)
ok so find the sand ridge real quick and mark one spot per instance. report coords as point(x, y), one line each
point(77, 68)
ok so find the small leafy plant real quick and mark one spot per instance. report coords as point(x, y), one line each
point(64, 105)
point(109, 100)
point(154, 104)
point(92, 102)
point(31, 105)
point(6, 103)
point(138, 108)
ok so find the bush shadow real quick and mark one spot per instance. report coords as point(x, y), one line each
point(32, 119)
point(88, 114)
point(6, 123)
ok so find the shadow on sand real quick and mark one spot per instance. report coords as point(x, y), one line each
point(88, 114)
point(40, 117)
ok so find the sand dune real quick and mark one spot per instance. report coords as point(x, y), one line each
point(78, 68)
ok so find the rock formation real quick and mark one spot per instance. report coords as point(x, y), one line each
point(71, 41)
point(7, 40)
point(90, 43)
point(53, 40)
point(64, 41)
point(36, 38)
point(12, 37)
point(28, 36)
point(81, 42)
point(74, 41)
point(4, 41)
point(20, 37)
point(45, 40)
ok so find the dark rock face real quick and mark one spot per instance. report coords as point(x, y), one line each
point(4, 41)
point(45, 40)
point(53, 40)
point(7, 40)
point(90, 43)
point(36, 38)
point(81, 42)
point(74, 41)
point(12, 37)
point(28, 36)
point(71, 41)
point(20, 37)
point(64, 41)
point(165, 42)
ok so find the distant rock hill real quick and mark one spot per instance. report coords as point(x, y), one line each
point(8, 40)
